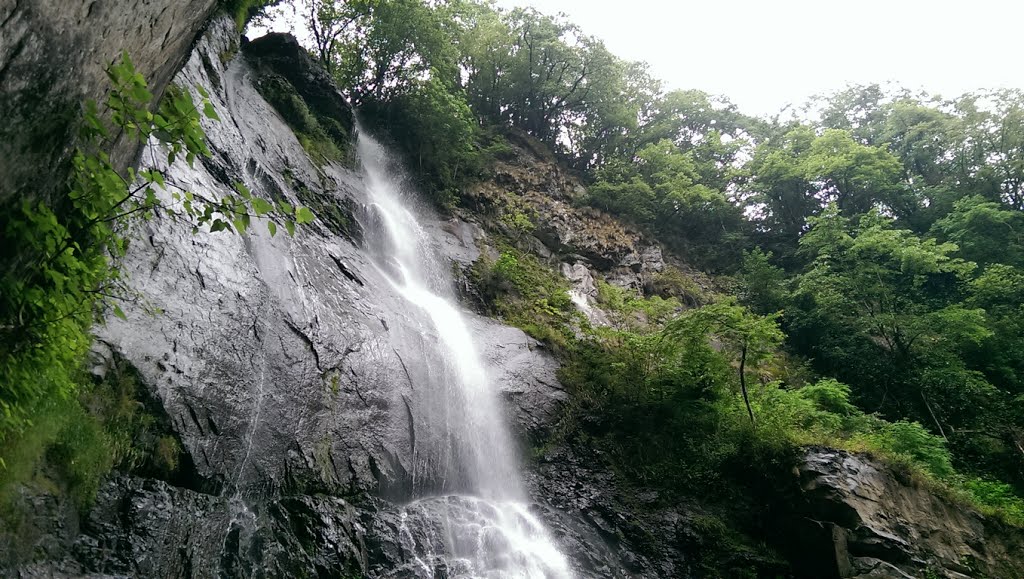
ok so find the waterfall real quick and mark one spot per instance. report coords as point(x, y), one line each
point(470, 505)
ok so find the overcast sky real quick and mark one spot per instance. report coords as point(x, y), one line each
point(765, 54)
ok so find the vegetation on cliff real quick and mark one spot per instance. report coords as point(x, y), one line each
point(874, 244)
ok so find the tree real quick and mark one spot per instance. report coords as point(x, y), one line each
point(859, 110)
point(796, 178)
point(782, 199)
point(662, 190)
point(383, 47)
point(882, 309)
point(744, 336)
point(329, 21)
point(762, 284)
point(990, 152)
point(984, 231)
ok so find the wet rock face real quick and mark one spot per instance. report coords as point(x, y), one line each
point(286, 366)
point(53, 54)
point(855, 518)
point(147, 528)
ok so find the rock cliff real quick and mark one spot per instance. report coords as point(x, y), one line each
point(852, 517)
point(53, 57)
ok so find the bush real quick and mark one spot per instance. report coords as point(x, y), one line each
point(72, 443)
point(243, 11)
point(996, 497)
point(631, 311)
point(526, 294)
point(82, 454)
point(913, 441)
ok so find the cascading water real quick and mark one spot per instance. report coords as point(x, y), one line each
point(470, 508)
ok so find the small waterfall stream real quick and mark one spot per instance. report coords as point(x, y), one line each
point(471, 506)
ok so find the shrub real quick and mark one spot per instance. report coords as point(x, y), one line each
point(997, 497)
point(910, 439)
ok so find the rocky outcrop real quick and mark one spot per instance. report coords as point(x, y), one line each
point(53, 57)
point(854, 517)
point(643, 534)
point(532, 182)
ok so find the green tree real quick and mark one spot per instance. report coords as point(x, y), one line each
point(989, 156)
point(883, 310)
point(762, 284)
point(795, 178)
point(382, 48)
point(662, 190)
point(745, 337)
point(984, 231)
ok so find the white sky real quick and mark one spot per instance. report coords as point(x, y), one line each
point(768, 53)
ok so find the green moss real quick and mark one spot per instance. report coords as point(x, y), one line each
point(322, 137)
point(528, 294)
point(74, 443)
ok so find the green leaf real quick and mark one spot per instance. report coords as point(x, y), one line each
point(202, 92)
point(209, 111)
point(272, 228)
point(218, 225)
point(120, 313)
point(290, 226)
point(304, 215)
point(242, 190)
point(140, 94)
point(261, 206)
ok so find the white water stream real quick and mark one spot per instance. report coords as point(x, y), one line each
point(486, 530)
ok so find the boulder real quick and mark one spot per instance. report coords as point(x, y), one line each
point(855, 517)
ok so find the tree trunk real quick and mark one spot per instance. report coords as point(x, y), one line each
point(743, 384)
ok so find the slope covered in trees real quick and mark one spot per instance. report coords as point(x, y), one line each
point(875, 243)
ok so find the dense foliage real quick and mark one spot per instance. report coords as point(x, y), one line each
point(874, 241)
